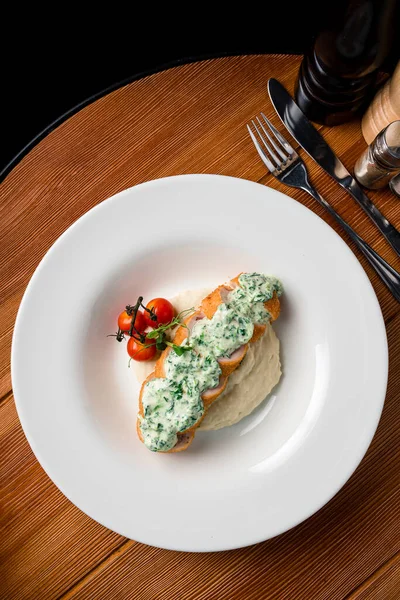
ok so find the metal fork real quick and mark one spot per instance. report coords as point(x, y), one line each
point(286, 165)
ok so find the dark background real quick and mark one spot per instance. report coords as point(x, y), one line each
point(54, 64)
point(51, 63)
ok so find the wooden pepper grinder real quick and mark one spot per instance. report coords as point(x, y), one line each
point(384, 108)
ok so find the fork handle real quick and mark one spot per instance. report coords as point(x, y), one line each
point(389, 276)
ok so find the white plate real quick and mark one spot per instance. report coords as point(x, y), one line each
point(77, 399)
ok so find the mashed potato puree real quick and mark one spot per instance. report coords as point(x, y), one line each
point(247, 387)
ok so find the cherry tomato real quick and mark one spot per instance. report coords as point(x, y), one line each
point(124, 321)
point(139, 351)
point(163, 310)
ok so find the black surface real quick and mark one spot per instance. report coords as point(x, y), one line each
point(55, 63)
point(52, 67)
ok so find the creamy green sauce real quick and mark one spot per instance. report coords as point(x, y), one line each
point(173, 403)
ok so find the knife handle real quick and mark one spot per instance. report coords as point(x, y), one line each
point(391, 234)
point(389, 276)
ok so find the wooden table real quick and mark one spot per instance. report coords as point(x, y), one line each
point(189, 119)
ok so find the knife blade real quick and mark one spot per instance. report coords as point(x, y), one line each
point(316, 147)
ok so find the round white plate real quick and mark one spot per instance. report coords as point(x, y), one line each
point(77, 399)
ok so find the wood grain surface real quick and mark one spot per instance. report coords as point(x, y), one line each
point(189, 119)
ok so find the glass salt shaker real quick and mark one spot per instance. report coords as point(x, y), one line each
point(381, 160)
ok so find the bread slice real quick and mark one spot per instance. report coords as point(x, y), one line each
point(229, 364)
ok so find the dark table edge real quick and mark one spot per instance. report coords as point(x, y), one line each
point(69, 113)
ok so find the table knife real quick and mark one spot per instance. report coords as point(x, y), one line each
point(316, 147)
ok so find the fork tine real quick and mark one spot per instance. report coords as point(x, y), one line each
point(273, 157)
point(278, 135)
point(260, 151)
point(283, 156)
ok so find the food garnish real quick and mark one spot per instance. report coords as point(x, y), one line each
point(161, 309)
point(158, 314)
